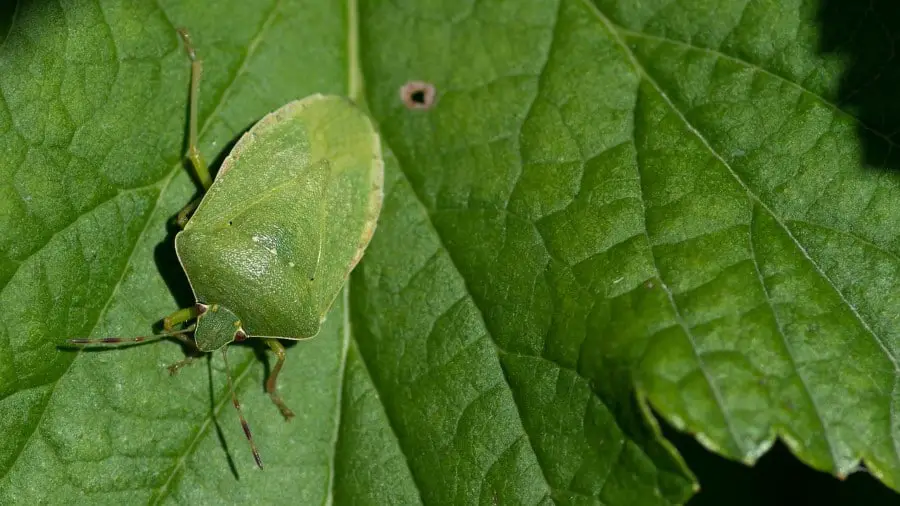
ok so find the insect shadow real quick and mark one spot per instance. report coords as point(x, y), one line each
point(164, 254)
point(259, 350)
point(866, 36)
point(169, 268)
point(212, 415)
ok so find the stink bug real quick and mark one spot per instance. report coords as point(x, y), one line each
point(270, 245)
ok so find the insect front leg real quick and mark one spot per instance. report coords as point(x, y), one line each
point(271, 383)
point(185, 214)
point(176, 319)
point(183, 315)
point(200, 167)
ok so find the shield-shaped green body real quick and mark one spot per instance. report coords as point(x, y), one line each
point(288, 217)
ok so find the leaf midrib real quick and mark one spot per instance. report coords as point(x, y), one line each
point(162, 492)
point(357, 93)
point(495, 344)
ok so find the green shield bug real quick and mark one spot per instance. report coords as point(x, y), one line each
point(271, 244)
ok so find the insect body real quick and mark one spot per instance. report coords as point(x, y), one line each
point(271, 244)
point(291, 210)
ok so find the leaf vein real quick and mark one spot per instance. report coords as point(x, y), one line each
point(100, 316)
point(679, 318)
point(640, 68)
point(163, 490)
point(251, 49)
point(478, 309)
point(788, 349)
point(74, 222)
point(753, 66)
point(346, 335)
point(852, 235)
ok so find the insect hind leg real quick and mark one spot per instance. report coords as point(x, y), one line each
point(271, 383)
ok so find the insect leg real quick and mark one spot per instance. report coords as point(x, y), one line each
point(200, 167)
point(113, 341)
point(192, 346)
point(116, 341)
point(271, 383)
point(185, 214)
point(173, 320)
point(179, 317)
point(237, 406)
point(174, 368)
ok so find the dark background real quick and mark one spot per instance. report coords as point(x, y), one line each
point(777, 479)
point(866, 34)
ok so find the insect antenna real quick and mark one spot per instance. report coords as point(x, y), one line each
point(117, 341)
point(237, 406)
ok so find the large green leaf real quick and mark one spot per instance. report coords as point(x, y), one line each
point(612, 202)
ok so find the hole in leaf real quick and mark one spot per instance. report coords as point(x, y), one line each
point(418, 95)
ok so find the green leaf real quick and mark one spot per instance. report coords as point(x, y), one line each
point(611, 203)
